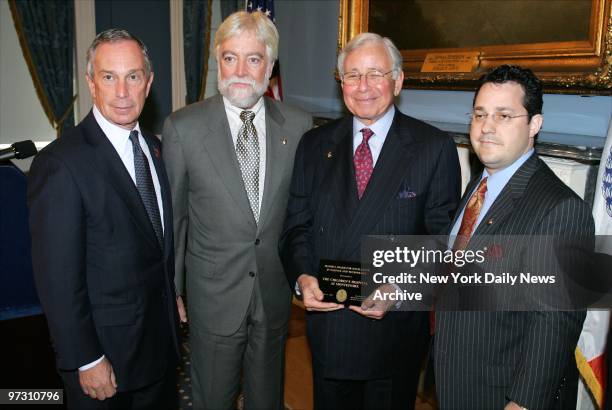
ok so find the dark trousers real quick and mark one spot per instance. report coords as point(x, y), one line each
point(160, 395)
point(382, 394)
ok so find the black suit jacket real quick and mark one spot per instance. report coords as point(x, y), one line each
point(485, 359)
point(413, 190)
point(104, 282)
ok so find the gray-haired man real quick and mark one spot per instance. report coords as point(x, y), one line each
point(229, 160)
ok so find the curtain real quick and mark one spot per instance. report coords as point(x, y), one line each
point(196, 42)
point(46, 35)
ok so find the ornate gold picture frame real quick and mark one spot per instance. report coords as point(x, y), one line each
point(568, 45)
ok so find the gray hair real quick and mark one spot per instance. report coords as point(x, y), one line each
point(364, 39)
point(115, 35)
point(257, 23)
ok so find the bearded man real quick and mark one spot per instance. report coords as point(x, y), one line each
point(229, 160)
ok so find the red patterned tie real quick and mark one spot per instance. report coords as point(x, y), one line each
point(470, 216)
point(364, 164)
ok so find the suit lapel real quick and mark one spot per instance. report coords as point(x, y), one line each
point(466, 196)
point(505, 203)
point(389, 172)
point(218, 142)
point(278, 155)
point(110, 165)
point(340, 178)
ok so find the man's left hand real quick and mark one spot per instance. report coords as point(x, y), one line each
point(513, 406)
point(376, 309)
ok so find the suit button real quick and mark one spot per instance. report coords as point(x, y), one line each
point(257, 241)
point(321, 231)
point(252, 274)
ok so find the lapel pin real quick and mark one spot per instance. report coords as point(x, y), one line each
point(490, 221)
point(284, 141)
point(156, 152)
point(329, 154)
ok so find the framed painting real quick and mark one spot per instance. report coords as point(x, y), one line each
point(568, 43)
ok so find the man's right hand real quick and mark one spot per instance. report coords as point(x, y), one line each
point(313, 296)
point(181, 309)
point(99, 381)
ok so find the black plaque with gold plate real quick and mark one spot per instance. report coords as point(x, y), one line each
point(342, 282)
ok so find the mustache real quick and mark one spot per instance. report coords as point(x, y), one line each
point(488, 138)
point(243, 80)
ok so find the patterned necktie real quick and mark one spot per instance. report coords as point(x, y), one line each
point(247, 151)
point(363, 162)
point(144, 184)
point(470, 216)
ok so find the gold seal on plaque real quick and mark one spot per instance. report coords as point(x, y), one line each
point(341, 295)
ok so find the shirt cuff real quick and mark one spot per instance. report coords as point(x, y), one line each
point(90, 365)
point(297, 289)
point(398, 304)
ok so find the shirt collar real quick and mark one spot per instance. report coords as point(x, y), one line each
point(113, 132)
point(380, 127)
point(236, 110)
point(497, 181)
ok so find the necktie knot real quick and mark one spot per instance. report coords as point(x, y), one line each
point(134, 136)
point(470, 216)
point(480, 191)
point(367, 133)
point(247, 116)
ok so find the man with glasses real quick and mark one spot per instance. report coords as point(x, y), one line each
point(375, 172)
point(510, 359)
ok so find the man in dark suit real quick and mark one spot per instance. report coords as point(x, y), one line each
point(376, 172)
point(229, 161)
point(511, 359)
point(102, 247)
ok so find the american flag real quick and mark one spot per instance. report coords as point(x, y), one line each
point(275, 89)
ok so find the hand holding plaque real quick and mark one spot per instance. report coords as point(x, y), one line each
point(342, 282)
point(312, 296)
point(376, 307)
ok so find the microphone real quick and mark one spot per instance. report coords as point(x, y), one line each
point(19, 150)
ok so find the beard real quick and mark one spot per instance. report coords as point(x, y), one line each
point(242, 97)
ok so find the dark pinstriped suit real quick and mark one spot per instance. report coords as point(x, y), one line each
point(414, 189)
point(484, 359)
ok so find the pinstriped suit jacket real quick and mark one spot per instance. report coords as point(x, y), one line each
point(485, 359)
point(414, 189)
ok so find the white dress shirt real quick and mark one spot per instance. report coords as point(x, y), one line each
point(235, 123)
point(120, 138)
point(380, 129)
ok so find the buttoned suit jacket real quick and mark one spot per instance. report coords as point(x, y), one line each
point(220, 250)
point(414, 189)
point(104, 282)
point(484, 359)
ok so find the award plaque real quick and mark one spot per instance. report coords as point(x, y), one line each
point(342, 282)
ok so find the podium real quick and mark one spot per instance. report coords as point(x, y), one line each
point(18, 296)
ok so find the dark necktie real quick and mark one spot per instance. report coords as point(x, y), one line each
point(470, 216)
point(363, 162)
point(247, 152)
point(144, 184)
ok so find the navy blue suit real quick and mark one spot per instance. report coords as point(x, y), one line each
point(414, 189)
point(104, 281)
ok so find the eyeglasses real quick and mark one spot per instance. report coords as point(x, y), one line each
point(373, 77)
point(498, 117)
